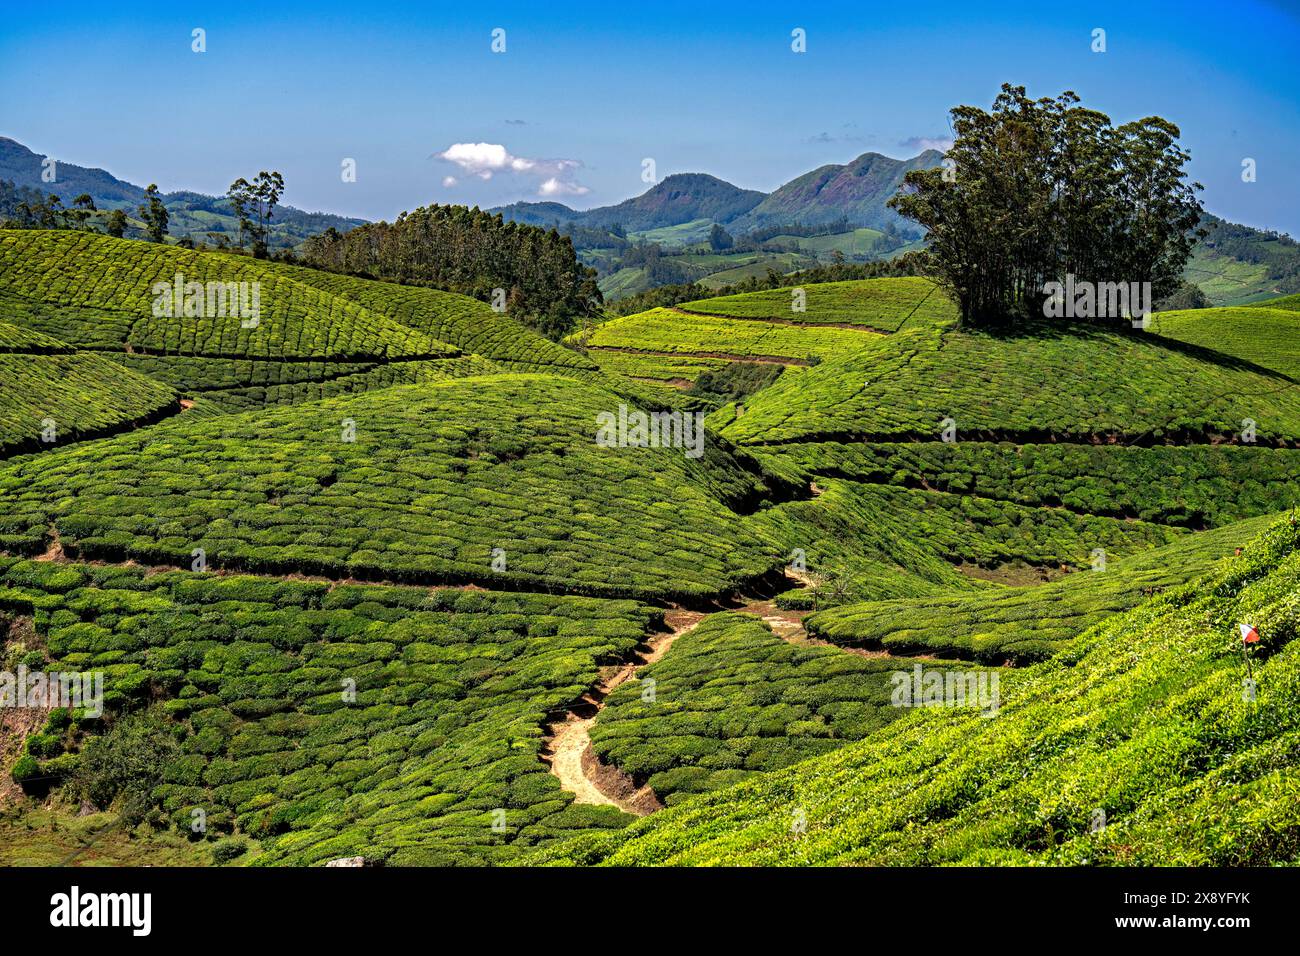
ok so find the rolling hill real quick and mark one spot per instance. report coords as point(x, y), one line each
point(1141, 717)
point(398, 490)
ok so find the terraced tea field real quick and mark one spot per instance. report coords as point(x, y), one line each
point(51, 395)
point(1142, 716)
point(793, 326)
point(1083, 385)
point(361, 580)
point(316, 334)
point(881, 304)
point(1263, 335)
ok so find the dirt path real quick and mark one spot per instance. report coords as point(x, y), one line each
point(568, 746)
point(788, 625)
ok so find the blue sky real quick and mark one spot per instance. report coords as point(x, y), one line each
point(584, 92)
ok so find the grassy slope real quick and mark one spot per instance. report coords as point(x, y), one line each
point(1070, 384)
point(452, 689)
point(321, 334)
point(1142, 717)
point(297, 321)
point(45, 383)
point(1225, 280)
point(672, 332)
point(1288, 302)
point(466, 323)
point(772, 705)
point(882, 304)
point(1267, 337)
point(1188, 486)
point(1019, 624)
point(438, 476)
point(898, 542)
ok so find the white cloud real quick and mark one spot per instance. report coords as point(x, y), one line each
point(942, 144)
point(557, 187)
point(449, 181)
point(486, 160)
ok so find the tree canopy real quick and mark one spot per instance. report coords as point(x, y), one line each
point(1034, 191)
point(530, 274)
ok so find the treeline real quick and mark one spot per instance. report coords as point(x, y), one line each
point(531, 274)
point(908, 264)
point(22, 207)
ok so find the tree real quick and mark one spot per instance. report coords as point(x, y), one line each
point(1038, 190)
point(1187, 296)
point(81, 209)
point(154, 214)
point(115, 225)
point(254, 203)
point(720, 239)
point(534, 273)
point(240, 195)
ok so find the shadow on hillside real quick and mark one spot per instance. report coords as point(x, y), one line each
point(1102, 334)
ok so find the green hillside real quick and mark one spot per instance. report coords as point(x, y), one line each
point(317, 334)
point(1020, 624)
point(295, 321)
point(1143, 717)
point(51, 395)
point(494, 480)
point(1266, 337)
point(440, 731)
point(1080, 384)
point(882, 304)
point(775, 704)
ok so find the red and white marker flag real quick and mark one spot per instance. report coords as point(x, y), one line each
point(1248, 634)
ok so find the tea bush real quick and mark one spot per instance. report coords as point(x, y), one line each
point(1079, 384)
point(1190, 486)
point(50, 395)
point(772, 705)
point(1025, 624)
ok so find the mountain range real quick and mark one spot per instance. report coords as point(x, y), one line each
point(856, 192)
point(192, 214)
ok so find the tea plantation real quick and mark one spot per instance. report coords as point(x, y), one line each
point(881, 304)
point(1024, 624)
point(1264, 335)
point(1084, 385)
point(51, 395)
point(669, 332)
point(362, 581)
point(494, 479)
point(320, 333)
point(698, 727)
point(1143, 718)
point(400, 723)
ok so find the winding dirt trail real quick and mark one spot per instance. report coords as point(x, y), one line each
point(568, 746)
point(788, 625)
